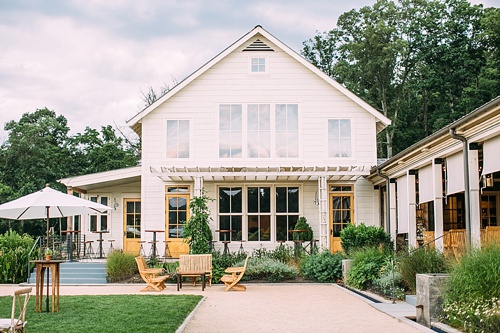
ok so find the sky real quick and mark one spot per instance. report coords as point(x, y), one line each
point(91, 60)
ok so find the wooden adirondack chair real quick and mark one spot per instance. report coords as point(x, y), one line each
point(17, 321)
point(151, 276)
point(234, 276)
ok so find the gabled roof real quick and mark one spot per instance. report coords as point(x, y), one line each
point(135, 121)
point(93, 181)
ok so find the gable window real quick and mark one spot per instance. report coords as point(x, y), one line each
point(258, 65)
point(177, 138)
point(287, 130)
point(259, 131)
point(99, 222)
point(230, 131)
point(339, 138)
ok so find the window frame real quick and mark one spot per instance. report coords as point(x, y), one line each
point(97, 221)
point(351, 139)
point(251, 64)
point(189, 138)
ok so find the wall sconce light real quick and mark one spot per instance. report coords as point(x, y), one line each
point(115, 204)
point(316, 200)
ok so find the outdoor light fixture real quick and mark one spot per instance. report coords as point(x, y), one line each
point(316, 200)
point(115, 204)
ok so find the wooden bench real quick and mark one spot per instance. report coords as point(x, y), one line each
point(195, 263)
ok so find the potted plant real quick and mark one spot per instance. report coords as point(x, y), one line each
point(48, 253)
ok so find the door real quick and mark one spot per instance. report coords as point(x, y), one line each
point(341, 214)
point(132, 226)
point(177, 214)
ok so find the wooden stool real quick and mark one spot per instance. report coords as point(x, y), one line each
point(153, 252)
point(166, 252)
point(88, 251)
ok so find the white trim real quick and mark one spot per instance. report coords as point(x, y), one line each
point(402, 203)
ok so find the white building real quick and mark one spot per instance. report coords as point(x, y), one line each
point(265, 134)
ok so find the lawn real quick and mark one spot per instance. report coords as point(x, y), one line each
point(109, 313)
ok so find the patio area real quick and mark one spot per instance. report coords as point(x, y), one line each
point(273, 308)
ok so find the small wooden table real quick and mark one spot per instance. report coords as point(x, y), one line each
point(201, 274)
point(41, 268)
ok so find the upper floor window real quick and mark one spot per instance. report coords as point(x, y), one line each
point(258, 65)
point(259, 131)
point(287, 130)
point(177, 138)
point(230, 131)
point(339, 138)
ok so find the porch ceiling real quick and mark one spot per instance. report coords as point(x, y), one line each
point(261, 173)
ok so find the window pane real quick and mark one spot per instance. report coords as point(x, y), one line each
point(281, 199)
point(265, 228)
point(253, 199)
point(236, 200)
point(281, 228)
point(224, 200)
point(293, 199)
point(265, 199)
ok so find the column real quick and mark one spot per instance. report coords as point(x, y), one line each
point(323, 205)
point(474, 196)
point(412, 209)
point(437, 176)
point(392, 210)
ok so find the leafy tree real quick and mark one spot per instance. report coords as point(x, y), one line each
point(422, 63)
point(197, 232)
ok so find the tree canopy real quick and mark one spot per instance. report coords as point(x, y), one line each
point(422, 63)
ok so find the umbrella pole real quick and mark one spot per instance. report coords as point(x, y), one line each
point(47, 299)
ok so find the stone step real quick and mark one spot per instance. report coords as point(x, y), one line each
point(78, 273)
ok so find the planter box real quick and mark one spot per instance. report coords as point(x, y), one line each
point(430, 297)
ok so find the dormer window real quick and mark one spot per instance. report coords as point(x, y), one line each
point(258, 65)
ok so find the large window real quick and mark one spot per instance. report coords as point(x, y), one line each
point(339, 138)
point(99, 222)
point(259, 131)
point(287, 130)
point(259, 213)
point(230, 131)
point(230, 212)
point(269, 130)
point(267, 211)
point(287, 211)
point(177, 138)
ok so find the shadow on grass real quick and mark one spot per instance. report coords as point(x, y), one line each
point(109, 313)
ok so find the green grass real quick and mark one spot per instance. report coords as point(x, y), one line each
point(109, 313)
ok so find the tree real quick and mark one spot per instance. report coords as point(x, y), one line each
point(197, 232)
point(417, 61)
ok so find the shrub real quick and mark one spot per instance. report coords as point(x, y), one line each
point(120, 266)
point(14, 258)
point(354, 237)
point(383, 285)
point(222, 261)
point(420, 261)
point(366, 266)
point(269, 269)
point(322, 267)
point(283, 253)
point(472, 298)
point(303, 225)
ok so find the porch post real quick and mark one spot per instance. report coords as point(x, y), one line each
point(412, 209)
point(323, 213)
point(474, 196)
point(198, 186)
point(392, 210)
point(69, 219)
point(437, 176)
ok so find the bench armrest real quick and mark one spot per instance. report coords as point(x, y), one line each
point(235, 269)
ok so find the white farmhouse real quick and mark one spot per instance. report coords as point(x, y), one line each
point(265, 134)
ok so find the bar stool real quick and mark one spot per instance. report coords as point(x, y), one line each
point(166, 252)
point(153, 251)
point(141, 249)
point(111, 248)
point(88, 251)
point(241, 250)
point(226, 247)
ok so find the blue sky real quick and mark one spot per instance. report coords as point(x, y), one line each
point(89, 60)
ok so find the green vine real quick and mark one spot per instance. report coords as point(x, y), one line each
point(197, 231)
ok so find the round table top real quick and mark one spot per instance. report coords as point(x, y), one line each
point(298, 230)
point(71, 231)
point(101, 232)
point(224, 230)
point(154, 230)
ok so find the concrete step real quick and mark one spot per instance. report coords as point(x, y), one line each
point(78, 273)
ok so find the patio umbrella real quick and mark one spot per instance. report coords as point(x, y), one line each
point(48, 203)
